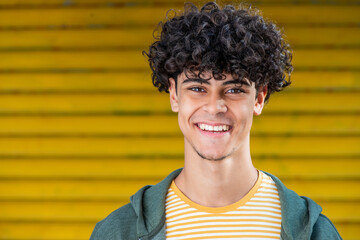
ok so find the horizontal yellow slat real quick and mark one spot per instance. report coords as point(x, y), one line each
point(162, 125)
point(322, 36)
point(140, 38)
point(348, 231)
point(340, 211)
point(94, 169)
point(334, 58)
point(92, 81)
point(261, 146)
point(311, 58)
point(158, 168)
point(290, 14)
point(70, 231)
point(129, 125)
point(142, 81)
point(143, 37)
point(121, 190)
point(306, 124)
point(113, 103)
point(70, 190)
point(320, 168)
point(93, 59)
point(46, 231)
point(78, 211)
point(85, 103)
point(325, 189)
point(313, 101)
point(323, 80)
point(81, 2)
point(83, 211)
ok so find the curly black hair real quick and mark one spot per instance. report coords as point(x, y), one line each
point(239, 42)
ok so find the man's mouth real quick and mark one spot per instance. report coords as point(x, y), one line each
point(217, 128)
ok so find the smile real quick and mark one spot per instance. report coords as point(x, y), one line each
point(213, 128)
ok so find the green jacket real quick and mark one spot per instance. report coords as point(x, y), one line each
point(144, 217)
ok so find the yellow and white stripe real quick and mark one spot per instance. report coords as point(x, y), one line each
point(255, 216)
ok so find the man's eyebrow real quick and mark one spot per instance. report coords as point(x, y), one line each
point(197, 80)
point(242, 82)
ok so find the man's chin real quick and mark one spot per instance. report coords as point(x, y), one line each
point(212, 156)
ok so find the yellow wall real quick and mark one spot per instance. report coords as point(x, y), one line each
point(82, 128)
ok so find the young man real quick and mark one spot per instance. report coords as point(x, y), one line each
point(219, 66)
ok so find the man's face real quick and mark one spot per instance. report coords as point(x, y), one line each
point(215, 116)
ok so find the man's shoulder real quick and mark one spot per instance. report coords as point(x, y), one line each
point(140, 217)
point(120, 224)
point(301, 216)
point(324, 229)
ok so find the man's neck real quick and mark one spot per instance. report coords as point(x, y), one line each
point(217, 183)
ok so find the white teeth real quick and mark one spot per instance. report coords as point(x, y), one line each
point(219, 128)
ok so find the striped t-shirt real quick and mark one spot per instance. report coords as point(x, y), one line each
point(256, 216)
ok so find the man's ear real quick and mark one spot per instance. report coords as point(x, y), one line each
point(260, 100)
point(173, 96)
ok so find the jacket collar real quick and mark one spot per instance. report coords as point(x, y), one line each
point(299, 214)
point(149, 205)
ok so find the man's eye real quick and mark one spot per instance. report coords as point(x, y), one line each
point(197, 89)
point(235, 90)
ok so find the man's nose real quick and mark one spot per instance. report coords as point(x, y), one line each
point(215, 104)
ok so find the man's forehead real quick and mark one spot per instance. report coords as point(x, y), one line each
point(206, 77)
